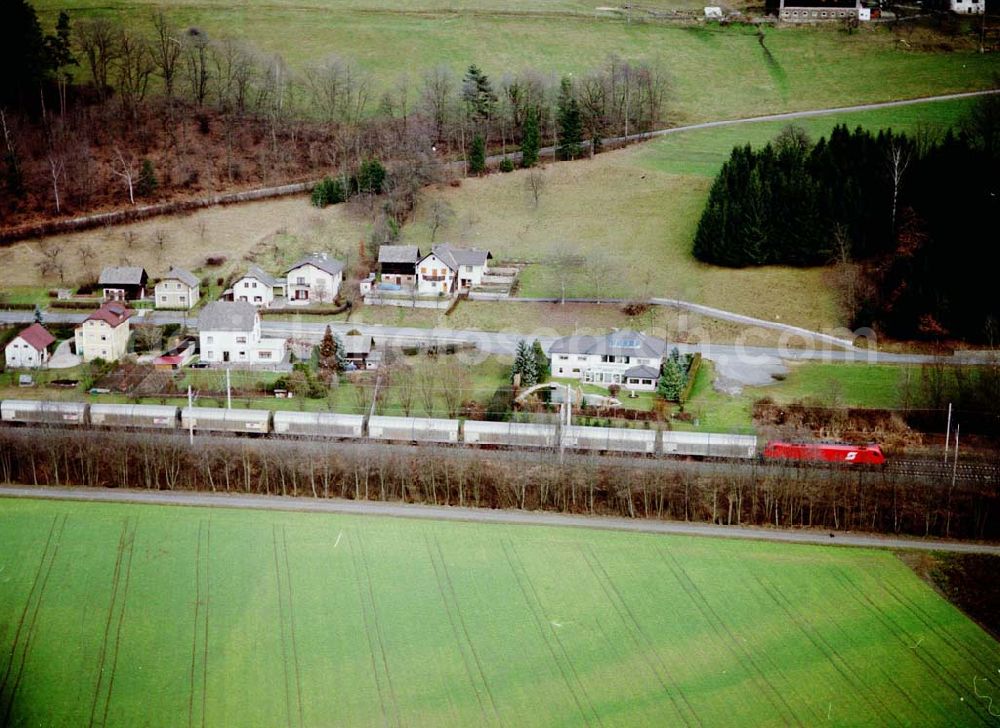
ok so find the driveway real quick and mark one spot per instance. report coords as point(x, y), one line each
point(64, 358)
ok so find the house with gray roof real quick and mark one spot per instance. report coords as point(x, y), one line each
point(257, 287)
point(447, 268)
point(123, 282)
point(628, 358)
point(397, 264)
point(315, 278)
point(179, 289)
point(229, 332)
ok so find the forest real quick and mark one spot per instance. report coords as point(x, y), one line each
point(908, 221)
point(113, 115)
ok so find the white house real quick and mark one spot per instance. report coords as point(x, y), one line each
point(229, 331)
point(29, 349)
point(314, 278)
point(446, 269)
point(104, 334)
point(258, 288)
point(178, 289)
point(968, 7)
point(626, 358)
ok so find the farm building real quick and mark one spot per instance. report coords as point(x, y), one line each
point(316, 278)
point(29, 349)
point(446, 269)
point(229, 331)
point(397, 264)
point(123, 283)
point(818, 11)
point(104, 334)
point(968, 7)
point(257, 287)
point(627, 358)
point(178, 289)
point(360, 351)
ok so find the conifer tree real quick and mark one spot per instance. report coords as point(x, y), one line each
point(671, 382)
point(570, 123)
point(542, 369)
point(524, 364)
point(531, 140)
point(477, 155)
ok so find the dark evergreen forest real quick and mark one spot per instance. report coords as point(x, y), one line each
point(912, 218)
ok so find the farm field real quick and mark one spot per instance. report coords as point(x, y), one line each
point(128, 615)
point(715, 72)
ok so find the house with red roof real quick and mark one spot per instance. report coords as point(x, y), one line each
point(29, 349)
point(104, 334)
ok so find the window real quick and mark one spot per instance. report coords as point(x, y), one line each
point(241, 339)
point(265, 355)
point(254, 284)
point(209, 355)
point(301, 280)
point(104, 337)
point(258, 299)
point(243, 355)
point(210, 339)
point(563, 357)
point(163, 299)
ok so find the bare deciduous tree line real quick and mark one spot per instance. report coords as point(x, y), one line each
point(213, 112)
point(763, 495)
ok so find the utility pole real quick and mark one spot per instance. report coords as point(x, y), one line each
point(947, 435)
point(954, 460)
point(229, 391)
point(190, 418)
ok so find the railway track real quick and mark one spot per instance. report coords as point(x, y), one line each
point(964, 472)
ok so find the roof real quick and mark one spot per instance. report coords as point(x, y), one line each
point(256, 273)
point(328, 265)
point(227, 316)
point(179, 274)
point(357, 344)
point(455, 257)
point(642, 372)
point(37, 337)
point(112, 313)
point(398, 254)
point(617, 343)
point(127, 275)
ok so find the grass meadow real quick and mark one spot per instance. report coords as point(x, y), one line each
point(125, 615)
point(715, 72)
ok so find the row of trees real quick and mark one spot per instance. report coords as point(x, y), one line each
point(211, 112)
point(908, 220)
point(768, 494)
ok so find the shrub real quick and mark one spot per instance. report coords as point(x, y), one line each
point(328, 192)
point(506, 165)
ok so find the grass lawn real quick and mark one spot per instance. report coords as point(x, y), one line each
point(129, 615)
point(715, 72)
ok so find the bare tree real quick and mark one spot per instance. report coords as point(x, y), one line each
point(440, 215)
point(898, 160)
point(427, 382)
point(165, 51)
point(436, 98)
point(99, 41)
point(57, 171)
point(565, 263)
point(51, 261)
point(195, 49)
point(405, 387)
point(135, 65)
point(339, 89)
point(534, 183)
point(149, 338)
point(127, 170)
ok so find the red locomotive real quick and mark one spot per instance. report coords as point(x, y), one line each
point(821, 452)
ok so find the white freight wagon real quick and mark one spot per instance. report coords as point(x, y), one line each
point(412, 429)
point(318, 424)
point(226, 420)
point(151, 416)
point(611, 439)
point(525, 434)
point(708, 444)
point(53, 413)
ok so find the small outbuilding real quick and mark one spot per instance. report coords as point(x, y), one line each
point(29, 349)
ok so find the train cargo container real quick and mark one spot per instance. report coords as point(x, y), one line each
point(34, 411)
point(412, 429)
point(525, 434)
point(226, 420)
point(823, 452)
point(318, 424)
point(149, 416)
point(611, 439)
point(708, 445)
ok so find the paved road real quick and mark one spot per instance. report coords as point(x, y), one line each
point(488, 342)
point(479, 515)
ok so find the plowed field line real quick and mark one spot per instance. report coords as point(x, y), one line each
point(282, 626)
point(545, 630)
point(639, 636)
point(121, 622)
point(719, 626)
point(291, 622)
point(379, 634)
point(369, 632)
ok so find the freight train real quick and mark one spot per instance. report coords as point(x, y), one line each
point(336, 426)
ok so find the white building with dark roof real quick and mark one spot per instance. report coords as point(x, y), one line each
point(257, 287)
point(627, 358)
point(315, 278)
point(178, 289)
point(229, 331)
point(446, 269)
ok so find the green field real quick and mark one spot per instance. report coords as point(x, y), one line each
point(143, 615)
point(715, 72)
